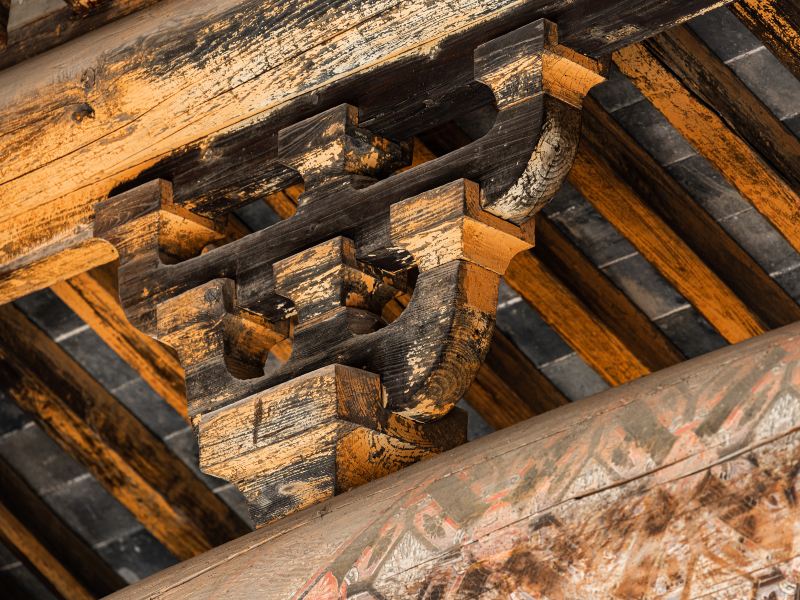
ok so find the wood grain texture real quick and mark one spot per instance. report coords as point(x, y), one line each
point(699, 230)
point(712, 137)
point(636, 331)
point(52, 534)
point(671, 485)
point(93, 297)
point(24, 544)
point(696, 65)
point(560, 308)
point(5, 6)
point(661, 246)
point(126, 458)
point(142, 114)
point(777, 24)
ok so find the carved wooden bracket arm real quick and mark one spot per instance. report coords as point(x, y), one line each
point(301, 379)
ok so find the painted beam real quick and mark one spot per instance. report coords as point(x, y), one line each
point(681, 484)
point(105, 107)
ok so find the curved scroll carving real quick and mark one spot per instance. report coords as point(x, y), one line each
point(356, 398)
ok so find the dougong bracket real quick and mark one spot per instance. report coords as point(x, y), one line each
point(302, 380)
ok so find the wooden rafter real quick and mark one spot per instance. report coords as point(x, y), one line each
point(777, 25)
point(93, 297)
point(662, 247)
point(44, 541)
point(743, 275)
point(95, 428)
point(698, 68)
point(713, 138)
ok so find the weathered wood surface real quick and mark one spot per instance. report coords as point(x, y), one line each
point(136, 467)
point(681, 484)
point(735, 267)
point(741, 165)
point(777, 25)
point(107, 113)
point(43, 540)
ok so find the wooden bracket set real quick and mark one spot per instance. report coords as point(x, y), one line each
point(302, 380)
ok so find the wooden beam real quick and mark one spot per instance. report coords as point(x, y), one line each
point(93, 297)
point(60, 26)
point(745, 277)
point(34, 519)
point(777, 24)
point(5, 9)
point(560, 308)
point(637, 332)
point(83, 7)
point(670, 486)
point(699, 69)
point(712, 138)
point(509, 388)
point(25, 545)
point(126, 458)
point(662, 247)
point(97, 132)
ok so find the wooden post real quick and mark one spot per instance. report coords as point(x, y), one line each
point(681, 483)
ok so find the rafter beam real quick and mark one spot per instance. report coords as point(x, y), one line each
point(714, 139)
point(96, 131)
point(42, 539)
point(134, 465)
point(777, 24)
point(745, 277)
point(596, 499)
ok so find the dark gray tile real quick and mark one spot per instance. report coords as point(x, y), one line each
point(231, 495)
point(652, 130)
point(184, 444)
point(257, 215)
point(768, 79)
point(574, 377)
point(11, 417)
point(762, 241)
point(595, 236)
point(525, 327)
point(6, 557)
point(91, 511)
point(49, 313)
point(790, 281)
point(645, 286)
point(22, 579)
point(724, 34)
point(98, 359)
point(793, 124)
point(690, 332)
point(136, 555)
point(476, 426)
point(150, 408)
point(43, 464)
point(708, 187)
point(616, 92)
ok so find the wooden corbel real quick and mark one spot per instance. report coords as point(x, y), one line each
point(298, 382)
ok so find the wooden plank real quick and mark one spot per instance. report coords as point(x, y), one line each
point(93, 297)
point(712, 138)
point(5, 9)
point(25, 545)
point(60, 26)
point(55, 537)
point(667, 487)
point(777, 24)
point(647, 342)
point(126, 458)
point(94, 130)
point(696, 65)
point(560, 308)
point(509, 388)
point(662, 247)
point(745, 277)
